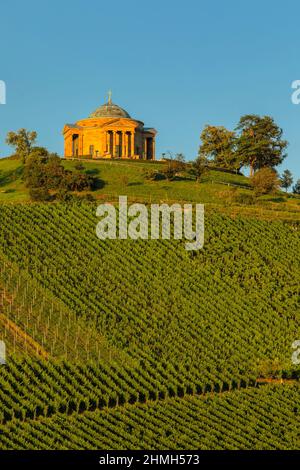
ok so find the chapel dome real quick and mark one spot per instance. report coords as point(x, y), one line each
point(109, 109)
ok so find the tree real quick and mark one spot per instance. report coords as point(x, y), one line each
point(44, 172)
point(218, 145)
point(174, 165)
point(286, 179)
point(34, 175)
point(77, 181)
point(260, 142)
point(54, 172)
point(296, 187)
point(199, 167)
point(179, 157)
point(43, 169)
point(22, 140)
point(265, 181)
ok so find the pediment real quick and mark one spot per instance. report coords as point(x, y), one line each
point(119, 123)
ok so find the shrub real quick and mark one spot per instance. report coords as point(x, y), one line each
point(172, 168)
point(63, 195)
point(265, 181)
point(77, 181)
point(39, 194)
point(154, 175)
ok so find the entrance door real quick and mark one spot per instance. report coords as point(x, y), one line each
point(149, 148)
point(75, 145)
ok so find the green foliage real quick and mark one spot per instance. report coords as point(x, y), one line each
point(154, 175)
point(44, 172)
point(77, 182)
point(22, 140)
point(199, 167)
point(79, 166)
point(39, 194)
point(218, 145)
point(260, 142)
point(173, 167)
point(286, 180)
point(265, 181)
point(296, 188)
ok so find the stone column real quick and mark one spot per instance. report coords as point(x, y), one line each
point(153, 148)
point(120, 143)
point(132, 149)
point(123, 144)
point(81, 153)
point(114, 143)
point(107, 141)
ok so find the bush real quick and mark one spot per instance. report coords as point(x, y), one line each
point(39, 194)
point(172, 168)
point(79, 166)
point(63, 195)
point(154, 175)
point(77, 181)
point(265, 181)
point(44, 171)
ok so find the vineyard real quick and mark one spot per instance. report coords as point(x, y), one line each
point(34, 321)
point(108, 335)
point(265, 418)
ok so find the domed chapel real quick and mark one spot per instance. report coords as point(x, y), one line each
point(109, 132)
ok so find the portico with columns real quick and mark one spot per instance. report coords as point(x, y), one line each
point(109, 132)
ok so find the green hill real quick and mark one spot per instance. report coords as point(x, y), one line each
point(217, 190)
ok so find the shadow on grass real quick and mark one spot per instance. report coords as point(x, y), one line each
point(7, 191)
point(7, 177)
point(92, 172)
point(276, 199)
point(99, 183)
point(183, 178)
point(135, 183)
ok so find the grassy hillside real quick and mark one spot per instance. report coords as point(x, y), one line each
point(124, 177)
point(218, 190)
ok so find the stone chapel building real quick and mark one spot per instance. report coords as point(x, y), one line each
point(109, 132)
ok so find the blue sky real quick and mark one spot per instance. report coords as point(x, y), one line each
point(174, 65)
